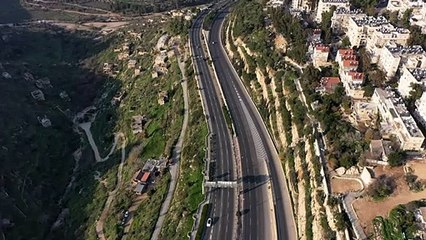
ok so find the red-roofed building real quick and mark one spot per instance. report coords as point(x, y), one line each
point(138, 176)
point(320, 55)
point(344, 52)
point(356, 77)
point(145, 177)
point(352, 82)
point(328, 84)
point(349, 57)
point(141, 177)
point(349, 65)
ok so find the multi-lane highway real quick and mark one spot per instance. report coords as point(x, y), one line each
point(222, 164)
point(259, 159)
point(266, 211)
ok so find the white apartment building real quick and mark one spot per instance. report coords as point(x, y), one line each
point(351, 79)
point(352, 82)
point(301, 5)
point(395, 115)
point(402, 5)
point(361, 26)
point(383, 35)
point(418, 18)
point(275, 3)
point(393, 56)
point(411, 76)
point(418, 7)
point(421, 109)
point(320, 55)
point(325, 6)
point(340, 19)
point(345, 54)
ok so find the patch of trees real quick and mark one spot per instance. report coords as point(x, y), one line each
point(397, 158)
point(374, 77)
point(346, 143)
point(326, 25)
point(179, 26)
point(381, 188)
point(367, 5)
point(414, 183)
point(293, 31)
point(141, 7)
point(416, 37)
point(208, 20)
point(401, 224)
point(249, 18)
point(249, 24)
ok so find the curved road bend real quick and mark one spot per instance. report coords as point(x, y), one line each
point(222, 211)
point(260, 161)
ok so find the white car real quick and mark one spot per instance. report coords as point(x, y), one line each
point(209, 222)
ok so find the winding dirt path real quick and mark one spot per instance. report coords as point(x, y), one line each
point(111, 195)
point(86, 127)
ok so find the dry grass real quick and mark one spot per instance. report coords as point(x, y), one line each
point(419, 168)
point(367, 209)
point(344, 185)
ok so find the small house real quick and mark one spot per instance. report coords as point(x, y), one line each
point(38, 95)
point(140, 188)
point(163, 97)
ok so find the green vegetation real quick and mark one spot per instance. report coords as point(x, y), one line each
point(401, 224)
point(367, 5)
point(327, 233)
point(208, 20)
point(381, 188)
point(228, 118)
point(293, 31)
point(326, 25)
point(15, 12)
point(397, 158)
point(414, 183)
point(203, 220)
point(248, 17)
point(308, 190)
point(37, 162)
point(160, 133)
point(141, 7)
point(416, 37)
point(179, 26)
point(346, 144)
point(188, 195)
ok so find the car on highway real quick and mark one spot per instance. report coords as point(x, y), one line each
point(209, 222)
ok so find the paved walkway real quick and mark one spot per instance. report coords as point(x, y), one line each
point(348, 199)
point(174, 169)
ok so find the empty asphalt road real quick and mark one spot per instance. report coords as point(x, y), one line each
point(266, 215)
point(222, 210)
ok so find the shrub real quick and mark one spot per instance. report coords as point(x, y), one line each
point(381, 188)
point(396, 158)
